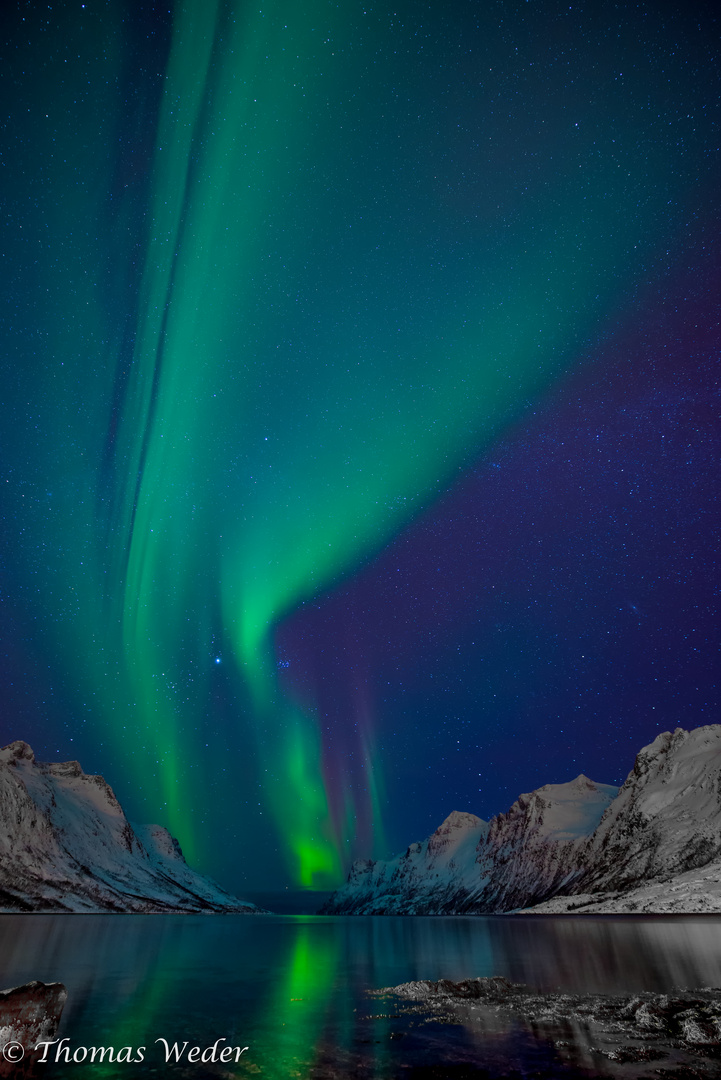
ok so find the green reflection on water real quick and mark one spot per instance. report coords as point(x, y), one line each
point(292, 988)
point(302, 1002)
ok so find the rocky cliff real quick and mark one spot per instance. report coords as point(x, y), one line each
point(666, 819)
point(564, 840)
point(66, 845)
point(469, 865)
point(437, 875)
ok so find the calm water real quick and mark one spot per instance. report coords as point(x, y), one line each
point(291, 988)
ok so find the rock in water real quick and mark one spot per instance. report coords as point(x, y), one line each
point(66, 845)
point(604, 1035)
point(29, 1014)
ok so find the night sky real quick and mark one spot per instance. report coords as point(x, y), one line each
point(359, 393)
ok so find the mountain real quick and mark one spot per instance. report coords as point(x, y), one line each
point(658, 849)
point(578, 839)
point(693, 892)
point(437, 875)
point(666, 819)
point(470, 866)
point(66, 845)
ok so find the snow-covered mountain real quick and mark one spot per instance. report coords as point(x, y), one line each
point(469, 865)
point(437, 875)
point(693, 892)
point(564, 840)
point(66, 845)
point(667, 817)
point(658, 849)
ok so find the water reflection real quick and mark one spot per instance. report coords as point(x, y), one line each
point(583, 954)
point(293, 988)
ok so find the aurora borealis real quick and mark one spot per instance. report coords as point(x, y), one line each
point(360, 408)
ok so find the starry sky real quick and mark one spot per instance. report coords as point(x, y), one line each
point(359, 407)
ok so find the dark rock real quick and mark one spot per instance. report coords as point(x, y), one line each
point(29, 1014)
point(682, 1032)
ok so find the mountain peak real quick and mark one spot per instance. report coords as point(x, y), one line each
point(66, 845)
point(458, 819)
point(561, 840)
point(17, 751)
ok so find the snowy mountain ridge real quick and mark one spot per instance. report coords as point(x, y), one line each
point(66, 845)
point(564, 840)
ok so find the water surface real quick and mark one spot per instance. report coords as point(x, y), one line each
point(292, 988)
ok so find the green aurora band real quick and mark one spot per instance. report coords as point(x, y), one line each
point(315, 353)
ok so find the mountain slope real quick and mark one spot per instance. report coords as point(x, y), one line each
point(667, 817)
point(692, 892)
point(66, 845)
point(436, 875)
point(657, 833)
point(469, 865)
